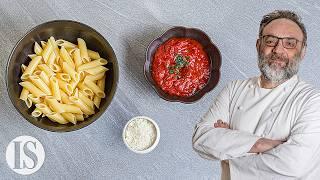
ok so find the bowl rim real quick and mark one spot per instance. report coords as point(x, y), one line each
point(153, 146)
point(112, 92)
point(151, 59)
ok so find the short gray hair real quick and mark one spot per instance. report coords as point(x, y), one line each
point(286, 14)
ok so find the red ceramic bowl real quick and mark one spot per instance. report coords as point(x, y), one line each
point(208, 46)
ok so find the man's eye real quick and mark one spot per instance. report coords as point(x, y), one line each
point(270, 41)
point(290, 44)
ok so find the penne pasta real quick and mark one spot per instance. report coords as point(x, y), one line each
point(95, 77)
point(51, 59)
point(74, 84)
point(85, 61)
point(84, 108)
point(36, 73)
point(54, 46)
point(71, 108)
point(68, 69)
point(59, 61)
point(96, 70)
point(44, 77)
point(91, 97)
point(77, 58)
point(87, 91)
point(24, 94)
point(79, 117)
point(44, 108)
point(66, 87)
point(70, 51)
point(66, 44)
point(69, 117)
point(75, 92)
point(55, 88)
point(82, 75)
point(55, 68)
point(46, 69)
point(63, 76)
point(96, 90)
point(83, 49)
point(97, 101)
point(54, 105)
point(93, 64)
point(86, 100)
point(28, 103)
point(37, 49)
point(46, 52)
point(32, 89)
point(65, 98)
point(34, 99)
point(31, 56)
point(93, 54)
point(56, 117)
point(23, 68)
point(85, 115)
point(40, 84)
point(31, 67)
point(43, 44)
point(66, 57)
point(101, 85)
point(36, 112)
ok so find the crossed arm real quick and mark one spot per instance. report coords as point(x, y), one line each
point(260, 146)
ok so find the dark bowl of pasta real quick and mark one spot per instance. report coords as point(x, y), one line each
point(62, 75)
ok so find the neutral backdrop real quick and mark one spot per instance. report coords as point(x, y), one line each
point(97, 151)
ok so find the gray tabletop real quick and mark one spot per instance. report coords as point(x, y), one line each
point(97, 151)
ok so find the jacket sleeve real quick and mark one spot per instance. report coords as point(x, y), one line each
point(294, 158)
point(221, 143)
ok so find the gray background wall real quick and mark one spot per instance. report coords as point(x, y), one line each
point(97, 151)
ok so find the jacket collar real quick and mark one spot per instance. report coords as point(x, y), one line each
point(288, 84)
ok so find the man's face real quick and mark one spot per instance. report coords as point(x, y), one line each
point(279, 58)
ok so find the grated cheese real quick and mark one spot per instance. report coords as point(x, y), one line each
point(140, 134)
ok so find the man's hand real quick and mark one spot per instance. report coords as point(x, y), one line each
point(264, 144)
point(221, 124)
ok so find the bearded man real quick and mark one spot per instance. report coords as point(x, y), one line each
point(267, 127)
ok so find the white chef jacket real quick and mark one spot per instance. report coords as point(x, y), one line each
point(290, 112)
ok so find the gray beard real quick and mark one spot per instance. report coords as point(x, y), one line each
point(271, 73)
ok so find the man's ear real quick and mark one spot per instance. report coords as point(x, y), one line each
point(303, 52)
point(258, 45)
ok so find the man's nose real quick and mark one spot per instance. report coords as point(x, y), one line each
point(279, 47)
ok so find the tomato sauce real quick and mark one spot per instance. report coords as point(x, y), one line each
point(181, 67)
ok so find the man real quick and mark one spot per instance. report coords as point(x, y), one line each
point(267, 127)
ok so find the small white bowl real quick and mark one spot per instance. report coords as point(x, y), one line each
point(155, 143)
